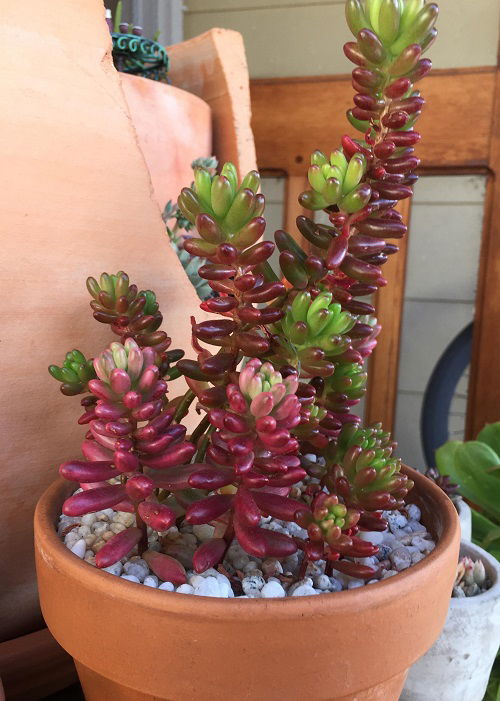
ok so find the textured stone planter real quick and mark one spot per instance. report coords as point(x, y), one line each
point(354, 645)
point(458, 665)
point(465, 516)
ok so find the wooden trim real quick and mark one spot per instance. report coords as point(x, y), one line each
point(380, 404)
point(34, 666)
point(461, 135)
point(294, 116)
point(484, 382)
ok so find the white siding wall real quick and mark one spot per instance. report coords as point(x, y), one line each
point(443, 256)
point(296, 37)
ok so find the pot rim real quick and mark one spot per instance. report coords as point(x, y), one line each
point(493, 571)
point(53, 550)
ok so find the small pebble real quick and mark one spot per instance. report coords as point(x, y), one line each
point(138, 568)
point(322, 582)
point(203, 532)
point(188, 589)
point(79, 548)
point(388, 573)
point(306, 582)
point(167, 586)
point(335, 584)
point(272, 590)
point(115, 569)
point(272, 566)
point(252, 584)
point(395, 519)
point(304, 590)
point(375, 537)
point(355, 583)
point(130, 578)
point(151, 581)
point(414, 513)
point(209, 587)
point(400, 558)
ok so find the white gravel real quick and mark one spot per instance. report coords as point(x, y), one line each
point(405, 543)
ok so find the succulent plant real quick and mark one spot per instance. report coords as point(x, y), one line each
point(74, 373)
point(470, 579)
point(277, 371)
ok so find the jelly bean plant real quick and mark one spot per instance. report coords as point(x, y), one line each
point(279, 367)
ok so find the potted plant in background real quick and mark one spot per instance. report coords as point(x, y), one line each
point(278, 493)
point(474, 465)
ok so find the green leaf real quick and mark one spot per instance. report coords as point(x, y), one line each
point(445, 458)
point(491, 436)
point(492, 536)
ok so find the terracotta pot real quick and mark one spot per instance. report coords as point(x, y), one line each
point(78, 200)
point(458, 665)
point(132, 643)
point(173, 128)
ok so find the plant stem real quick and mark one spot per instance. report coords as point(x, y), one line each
point(143, 543)
point(184, 405)
point(303, 567)
point(200, 430)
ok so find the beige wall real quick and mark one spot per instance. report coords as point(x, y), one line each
point(300, 37)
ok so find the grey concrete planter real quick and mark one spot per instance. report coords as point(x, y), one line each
point(458, 665)
point(465, 516)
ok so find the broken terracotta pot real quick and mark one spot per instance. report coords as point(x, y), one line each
point(133, 643)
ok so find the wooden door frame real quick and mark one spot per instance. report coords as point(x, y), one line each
point(460, 127)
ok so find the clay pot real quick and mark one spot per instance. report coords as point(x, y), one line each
point(458, 665)
point(173, 127)
point(132, 643)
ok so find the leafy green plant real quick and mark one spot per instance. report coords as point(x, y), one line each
point(475, 466)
